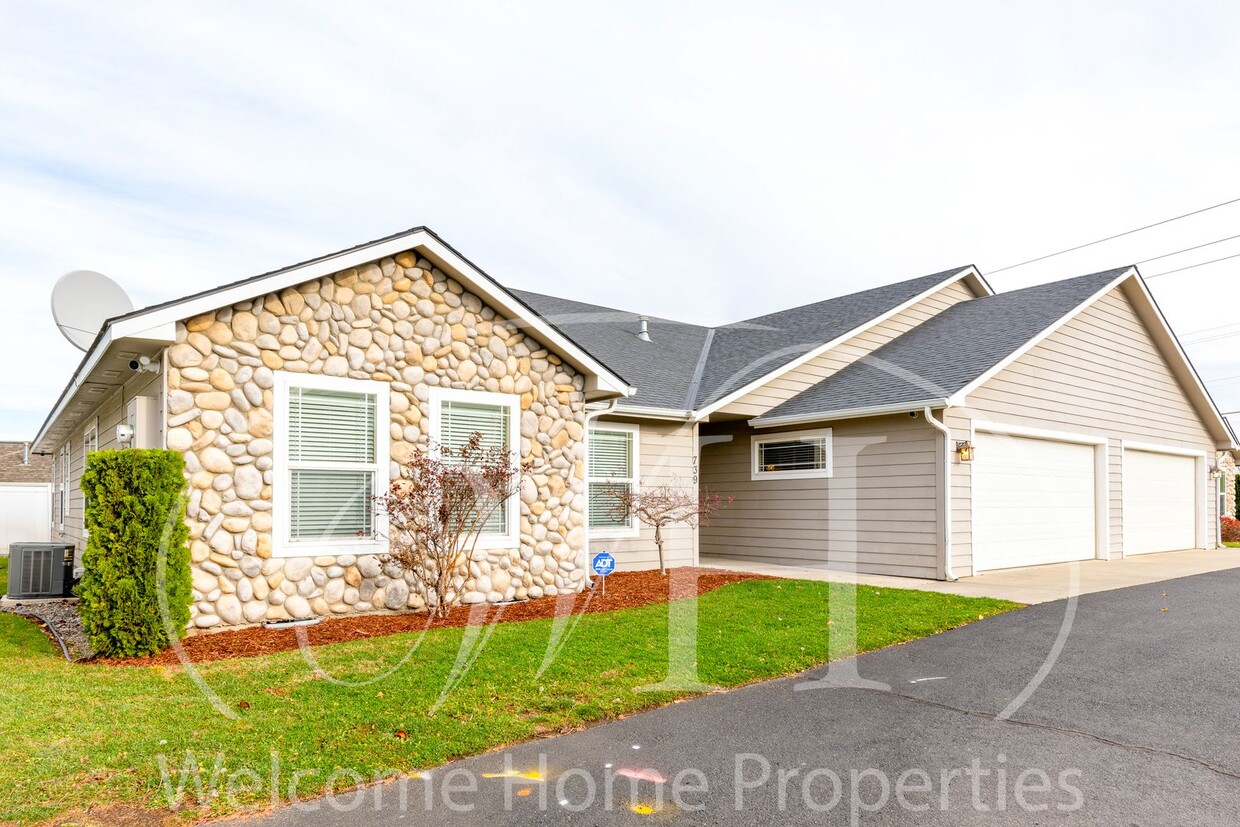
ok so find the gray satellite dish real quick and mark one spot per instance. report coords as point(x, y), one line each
point(82, 301)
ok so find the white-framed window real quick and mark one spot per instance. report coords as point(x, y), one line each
point(331, 461)
point(66, 460)
point(792, 455)
point(612, 468)
point(90, 444)
point(455, 415)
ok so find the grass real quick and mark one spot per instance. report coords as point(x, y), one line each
point(79, 735)
point(1232, 545)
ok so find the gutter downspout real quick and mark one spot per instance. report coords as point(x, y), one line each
point(948, 574)
point(585, 547)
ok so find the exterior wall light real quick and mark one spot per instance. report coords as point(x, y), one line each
point(964, 450)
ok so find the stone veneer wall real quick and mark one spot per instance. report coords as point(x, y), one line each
point(400, 321)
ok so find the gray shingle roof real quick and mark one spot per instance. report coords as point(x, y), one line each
point(661, 369)
point(946, 352)
point(664, 368)
point(747, 350)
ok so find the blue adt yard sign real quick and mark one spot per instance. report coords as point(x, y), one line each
point(603, 565)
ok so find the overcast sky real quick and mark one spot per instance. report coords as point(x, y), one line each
point(707, 161)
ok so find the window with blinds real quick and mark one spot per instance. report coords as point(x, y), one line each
point(459, 419)
point(801, 454)
point(332, 451)
point(612, 471)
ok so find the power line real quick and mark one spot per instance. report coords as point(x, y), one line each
point(1189, 249)
point(1209, 339)
point(1113, 237)
point(1191, 266)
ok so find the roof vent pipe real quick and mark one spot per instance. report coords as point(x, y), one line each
point(643, 328)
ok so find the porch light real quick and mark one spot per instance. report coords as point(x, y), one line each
point(964, 450)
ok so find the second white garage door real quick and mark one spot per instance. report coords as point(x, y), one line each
point(1034, 502)
point(1160, 502)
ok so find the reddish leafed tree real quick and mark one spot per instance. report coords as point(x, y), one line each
point(439, 506)
point(668, 504)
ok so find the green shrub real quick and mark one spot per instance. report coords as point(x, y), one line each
point(135, 511)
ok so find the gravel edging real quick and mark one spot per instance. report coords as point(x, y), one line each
point(60, 620)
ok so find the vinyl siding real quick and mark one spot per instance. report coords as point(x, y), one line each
point(788, 385)
point(667, 453)
point(1101, 374)
point(891, 463)
point(110, 413)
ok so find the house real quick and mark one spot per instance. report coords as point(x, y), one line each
point(25, 481)
point(927, 428)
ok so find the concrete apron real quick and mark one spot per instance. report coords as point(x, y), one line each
point(1036, 584)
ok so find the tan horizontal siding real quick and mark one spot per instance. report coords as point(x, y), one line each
point(788, 385)
point(667, 455)
point(1102, 374)
point(879, 510)
point(109, 413)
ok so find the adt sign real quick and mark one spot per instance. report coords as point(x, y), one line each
point(603, 564)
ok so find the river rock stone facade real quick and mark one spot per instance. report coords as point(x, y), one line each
point(401, 321)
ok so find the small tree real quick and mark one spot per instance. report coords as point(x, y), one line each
point(439, 506)
point(664, 505)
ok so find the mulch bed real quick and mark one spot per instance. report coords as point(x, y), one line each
point(60, 621)
point(625, 590)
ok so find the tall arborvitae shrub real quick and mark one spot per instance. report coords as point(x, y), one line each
point(135, 514)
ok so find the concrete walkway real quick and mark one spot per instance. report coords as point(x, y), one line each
point(1036, 584)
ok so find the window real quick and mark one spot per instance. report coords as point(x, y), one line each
point(331, 461)
point(65, 461)
point(792, 455)
point(90, 444)
point(612, 469)
point(456, 415)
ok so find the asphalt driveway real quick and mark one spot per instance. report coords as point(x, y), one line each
point(1136, 723)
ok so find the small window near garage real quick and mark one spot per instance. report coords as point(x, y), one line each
point(458, 414)
point(612, 472)
point(792, 455)
point(332, 460)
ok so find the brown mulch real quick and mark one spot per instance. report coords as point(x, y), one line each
point(625, 590)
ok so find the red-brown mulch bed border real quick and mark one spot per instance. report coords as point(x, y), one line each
point(625, 590)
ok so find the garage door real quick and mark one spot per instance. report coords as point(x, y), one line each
point(1160, 502)
point(1033, 502)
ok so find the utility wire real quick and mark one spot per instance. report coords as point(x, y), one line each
point(1191, 266)
point(1113, 237)
point(1189, 249)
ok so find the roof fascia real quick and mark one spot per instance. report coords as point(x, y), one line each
point(852, 413)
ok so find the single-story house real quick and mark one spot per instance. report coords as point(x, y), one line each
point(927, 428)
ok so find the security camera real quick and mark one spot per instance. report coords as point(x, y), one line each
point(142, 363)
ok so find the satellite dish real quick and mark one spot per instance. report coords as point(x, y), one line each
point(82, 301)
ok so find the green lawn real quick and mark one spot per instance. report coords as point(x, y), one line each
point(1232, 545)
point(91, 735)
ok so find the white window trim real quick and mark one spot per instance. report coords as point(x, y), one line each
point(66, 472)
point(756, 443)
point(92, 427)
point(634, 528)
point(281, 543)
point(511, 538)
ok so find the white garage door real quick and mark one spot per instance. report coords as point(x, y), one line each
point(1033, 502)
point(1160, 502)
point(25, 515)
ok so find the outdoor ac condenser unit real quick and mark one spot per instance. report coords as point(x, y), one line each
point(39, 570)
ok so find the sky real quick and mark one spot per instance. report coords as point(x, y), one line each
point(700, 161)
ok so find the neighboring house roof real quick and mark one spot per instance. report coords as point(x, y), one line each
point(686, 367)
point(37, 469)
point(940, 357)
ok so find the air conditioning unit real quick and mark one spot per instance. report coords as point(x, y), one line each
point(40, 570)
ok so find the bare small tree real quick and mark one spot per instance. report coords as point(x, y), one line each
point(439, 506)
point(668, 504)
